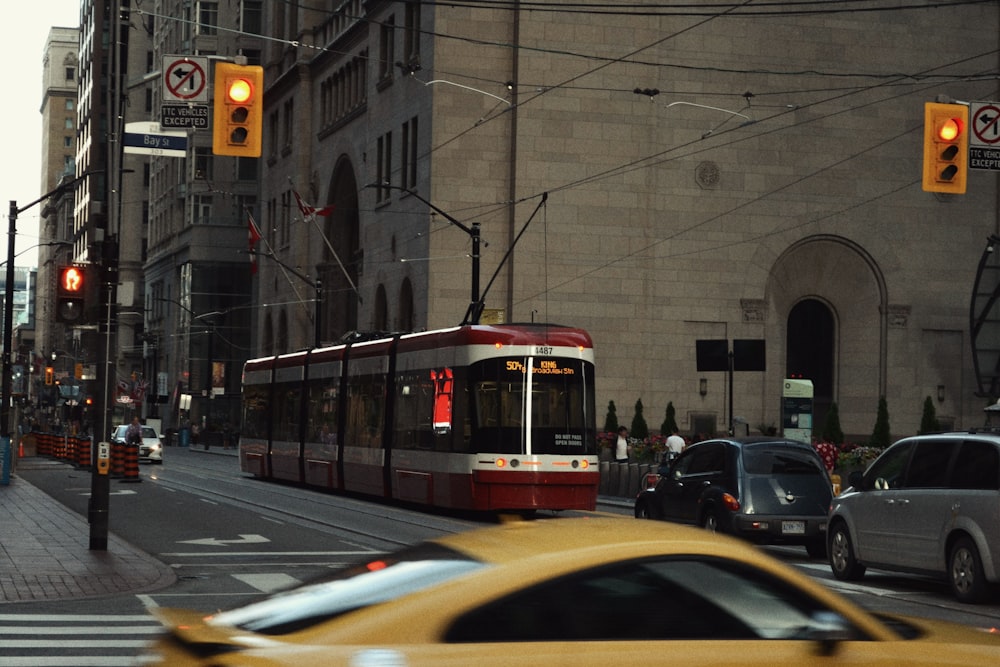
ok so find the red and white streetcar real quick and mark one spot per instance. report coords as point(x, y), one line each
point(476, 417)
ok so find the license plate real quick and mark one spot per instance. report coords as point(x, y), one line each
point(793, 527)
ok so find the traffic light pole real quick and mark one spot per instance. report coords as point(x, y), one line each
point(8, 328)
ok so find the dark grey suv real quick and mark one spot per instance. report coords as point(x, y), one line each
point(766, 490)
point(929, 504)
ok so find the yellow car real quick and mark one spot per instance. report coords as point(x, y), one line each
point(581, 592)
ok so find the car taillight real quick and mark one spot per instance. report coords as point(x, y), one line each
point(651, 479)
point(730, 502)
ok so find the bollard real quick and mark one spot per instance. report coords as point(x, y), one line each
point(83, 453)
point(131, 464)
point(117, 459)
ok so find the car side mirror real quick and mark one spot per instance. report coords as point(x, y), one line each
point(855, 479)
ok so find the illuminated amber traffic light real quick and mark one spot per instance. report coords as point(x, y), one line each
point(239, 106)
point(946, 148)
point(70, 292)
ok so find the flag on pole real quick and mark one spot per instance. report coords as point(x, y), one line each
point(309, 211)
point(254, 236)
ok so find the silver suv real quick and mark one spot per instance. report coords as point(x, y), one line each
point(929, 504)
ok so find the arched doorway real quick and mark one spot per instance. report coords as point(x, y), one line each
point(810, 343)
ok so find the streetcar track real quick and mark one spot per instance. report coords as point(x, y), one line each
point(368, 508)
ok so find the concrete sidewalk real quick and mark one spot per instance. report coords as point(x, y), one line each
point(45, 551)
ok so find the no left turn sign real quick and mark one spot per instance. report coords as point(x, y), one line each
point(184, 79)
point(984, 136)
point(985, 121)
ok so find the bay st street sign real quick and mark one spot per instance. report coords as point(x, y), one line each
point(150, 139)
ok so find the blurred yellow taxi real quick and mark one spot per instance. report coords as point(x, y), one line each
point(587, 592)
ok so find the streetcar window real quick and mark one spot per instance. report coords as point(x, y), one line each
point(256, 410)
point(322, 409)
point(365, 411)
point(561, 403)
point(287, 411)
point(430, 410)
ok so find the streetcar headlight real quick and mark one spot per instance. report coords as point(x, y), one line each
point(514, 463)
point(500, 463)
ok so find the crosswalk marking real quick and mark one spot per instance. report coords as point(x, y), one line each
point(74, 640)
point(267, 583)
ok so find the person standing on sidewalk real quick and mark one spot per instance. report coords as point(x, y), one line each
point(621, 446)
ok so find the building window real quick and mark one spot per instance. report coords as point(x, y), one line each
point(387, 49)
point(408, 171)
point(208, 17)
point(70, 73)
point(69, 123)
point(246, 168)
point(251, 19)
point(69, 105)
point(272, 133)
point(289, 111)
point(201, 209)
point(203, 163)
point(384, 166)
point(67, 142)
point(285, 226)
point(411, 34)
point(244, 206)
point(268, 230)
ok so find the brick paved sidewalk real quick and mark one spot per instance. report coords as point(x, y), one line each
point(45, 553)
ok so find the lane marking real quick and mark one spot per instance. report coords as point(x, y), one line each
point(267, 583)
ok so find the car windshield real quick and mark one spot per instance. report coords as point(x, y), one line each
point(771, 459)
point(148, 432)
point(375, 581)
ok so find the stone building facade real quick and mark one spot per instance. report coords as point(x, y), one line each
point(724, 174)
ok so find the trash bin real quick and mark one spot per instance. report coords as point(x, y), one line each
point(185, 436)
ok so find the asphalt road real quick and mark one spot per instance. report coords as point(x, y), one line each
point(231, 538)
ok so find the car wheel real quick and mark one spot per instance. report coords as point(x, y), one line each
point(642, 510)
point(841, 552)
point(711, 521)
point(816, 548)
point(965, 570)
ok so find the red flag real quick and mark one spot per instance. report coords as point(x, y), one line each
point(254, 236)
point(310, 210)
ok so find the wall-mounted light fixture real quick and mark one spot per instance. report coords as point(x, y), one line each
point(940, 393)
point(703, 386)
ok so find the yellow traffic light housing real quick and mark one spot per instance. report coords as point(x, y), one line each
point(946, 148)
point(237, 119)
point(70, 293)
